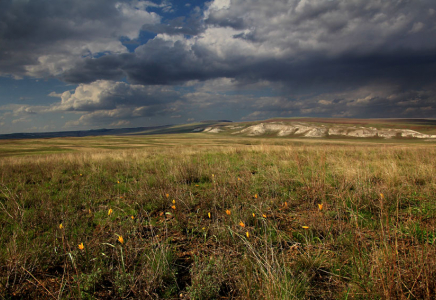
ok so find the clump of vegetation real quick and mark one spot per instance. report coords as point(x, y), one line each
point(297, 221)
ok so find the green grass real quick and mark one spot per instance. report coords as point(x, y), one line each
point(373, 239)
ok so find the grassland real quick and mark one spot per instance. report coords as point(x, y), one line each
point(216, 217)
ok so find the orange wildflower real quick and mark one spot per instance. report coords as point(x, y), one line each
point(241, 224)
point(81, 247)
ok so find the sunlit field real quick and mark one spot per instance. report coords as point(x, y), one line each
point(195, 216)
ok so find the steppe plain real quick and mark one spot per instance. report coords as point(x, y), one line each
point(200, 215)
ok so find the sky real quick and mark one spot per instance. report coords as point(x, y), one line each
point(88, 64)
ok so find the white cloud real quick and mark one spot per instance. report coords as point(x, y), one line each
point(134, 17)
point(108, 95)
point(417, 27)
point(121, 123)
point(114, 103)
point(21, 120)
point(324, 102)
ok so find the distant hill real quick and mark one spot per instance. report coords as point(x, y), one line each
point(80, 133)
point(165, 129)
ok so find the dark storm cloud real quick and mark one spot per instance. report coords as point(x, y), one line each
point(157, 62)
point(108, 67)
point(162, 62)
point(376, 101)
point(305, 43)
point(339, 57)
point(410, 69)
point(301, 43)
point(44, 37)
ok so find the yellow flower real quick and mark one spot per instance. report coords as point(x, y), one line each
point(239, 179)
point(173, 207)
point(305, 227)
point(110, 212)
point(241, 224)
point(264, 216)
point(81, 175)
point(285, 205)
point(320, 206)
point(208, 214)
point(167, 195)
point(132, 217)
point(228, 212)
point(81, 247)
point(382, 196)
point(255, 196)
point(254, 215)
point(118, 181)
point(120, 239)
point(174, 201)
point(61, 226)
point(247, 234)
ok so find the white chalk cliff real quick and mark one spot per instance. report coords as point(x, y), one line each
point(317, 131)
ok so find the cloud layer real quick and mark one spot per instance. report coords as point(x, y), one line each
point(351, 58)
point(298, 42)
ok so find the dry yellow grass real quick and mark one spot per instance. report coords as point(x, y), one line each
point(170, 230)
